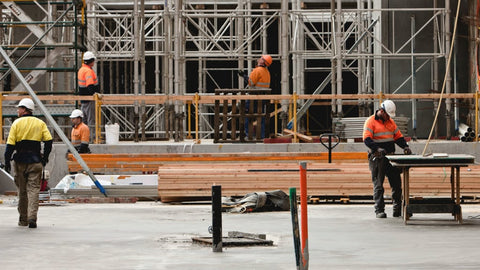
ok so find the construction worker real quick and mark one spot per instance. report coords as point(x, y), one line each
point(88, 86)
point(260, 76)
point(25, 136)
point(380, 134)
point(80, 132)
point(259, 79)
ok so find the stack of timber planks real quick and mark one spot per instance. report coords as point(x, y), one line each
point(144, 163)
point(194, 180)
point(178, 182)
point(190, 176)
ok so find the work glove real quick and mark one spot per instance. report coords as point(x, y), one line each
point(8, 167)
point(241, 73)
point(407, 151)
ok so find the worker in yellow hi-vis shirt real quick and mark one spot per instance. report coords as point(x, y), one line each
point(25, 137)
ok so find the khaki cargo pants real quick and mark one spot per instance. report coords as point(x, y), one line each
point(28, 178)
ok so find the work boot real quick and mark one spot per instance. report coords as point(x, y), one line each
point(397, 213)
point(32, 223)
point(22, 222)
point(381, 215)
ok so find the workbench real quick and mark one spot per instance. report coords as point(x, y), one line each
point(432, 205)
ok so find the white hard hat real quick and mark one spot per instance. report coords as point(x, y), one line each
point(76, 113)
point(389, 107)
point(27, 103)
point(88, 56)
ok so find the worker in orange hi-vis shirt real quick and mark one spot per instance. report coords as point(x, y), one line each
point(259, 79)
point(380, 134)
point(80, 132)
point(88, 86)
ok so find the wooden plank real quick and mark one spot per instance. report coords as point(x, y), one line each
point(299, 135)
point(351, 180)
point(267, 156)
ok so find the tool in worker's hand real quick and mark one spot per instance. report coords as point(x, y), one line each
point(380, 153)
point(244, 75)
point(6, 167)
point(45, 177)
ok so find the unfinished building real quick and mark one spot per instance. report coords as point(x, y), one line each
point(183, 47)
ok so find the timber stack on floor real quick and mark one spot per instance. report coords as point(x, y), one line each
point(184, 177)
point(142, 163)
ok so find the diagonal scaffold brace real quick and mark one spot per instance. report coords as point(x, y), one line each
point(52, 122)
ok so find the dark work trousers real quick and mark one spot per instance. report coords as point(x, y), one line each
point(88, 109)
point(28, 178)
point(381, 167)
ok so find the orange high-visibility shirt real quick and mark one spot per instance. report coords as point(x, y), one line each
point(80, 134)
point(86, 77)
point(380, 131)
point(260, 77)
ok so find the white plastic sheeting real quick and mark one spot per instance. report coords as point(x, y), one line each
point(83, 181)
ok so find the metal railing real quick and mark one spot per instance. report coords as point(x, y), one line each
point(105, 103)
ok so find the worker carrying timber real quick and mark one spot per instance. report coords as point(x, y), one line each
point(259, 79)
point(80, 136)
point(25, 137)
point(88, 86)
point(380, 134)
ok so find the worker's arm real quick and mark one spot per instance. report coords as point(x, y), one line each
point(8, 156)
point(47, 148)
point(83, 148)
point(368, 134)
point(92, 89)
point(371, 144)
point(254, 77)
point(244, 75)
point(401, 142)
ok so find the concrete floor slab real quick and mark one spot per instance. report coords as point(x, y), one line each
point(152, 235)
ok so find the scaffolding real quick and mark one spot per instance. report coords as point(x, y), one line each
point(43, 38)
point(183, 47)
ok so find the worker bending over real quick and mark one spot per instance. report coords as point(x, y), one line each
point(380, 134)
point(80, 132)
point(25, 136)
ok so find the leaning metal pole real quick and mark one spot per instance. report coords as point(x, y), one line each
point(52, 121)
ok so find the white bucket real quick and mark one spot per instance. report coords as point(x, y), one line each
point(112, 133)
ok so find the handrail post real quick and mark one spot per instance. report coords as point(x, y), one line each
point(275, 102)
point(308, 123)
point(98, 117)
point(476, 116)
point(197, 136)
point(189, 119)
point(295, 97)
